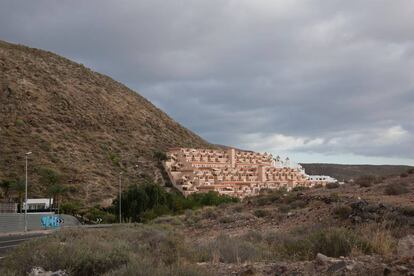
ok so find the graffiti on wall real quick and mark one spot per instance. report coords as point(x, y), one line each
point(51, 221)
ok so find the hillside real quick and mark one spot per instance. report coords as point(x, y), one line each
point(81, 123)
point(345, 230)
point(347, 172)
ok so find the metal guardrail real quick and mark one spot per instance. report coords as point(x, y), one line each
point(13, 222)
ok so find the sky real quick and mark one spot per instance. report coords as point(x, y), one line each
point(315, 80)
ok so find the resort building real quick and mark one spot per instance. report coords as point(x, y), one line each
point(232, 172)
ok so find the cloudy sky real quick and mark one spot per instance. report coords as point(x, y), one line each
point(316, 80)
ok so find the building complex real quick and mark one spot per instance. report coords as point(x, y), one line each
point(233, 172)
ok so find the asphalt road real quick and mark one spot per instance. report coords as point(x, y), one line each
point(8, 243)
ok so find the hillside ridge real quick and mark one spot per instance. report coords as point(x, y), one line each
point(83, 124)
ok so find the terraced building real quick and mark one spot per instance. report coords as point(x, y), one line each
point(232, 172)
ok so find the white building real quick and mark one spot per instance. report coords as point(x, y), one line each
point(38, 203)
point(322, 178)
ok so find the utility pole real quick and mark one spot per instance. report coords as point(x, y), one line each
point(120, 197)
point(25, 196)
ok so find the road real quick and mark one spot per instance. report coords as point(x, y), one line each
point(9, 242)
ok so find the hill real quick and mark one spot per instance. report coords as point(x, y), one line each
point(347, 172)
point(80, 123)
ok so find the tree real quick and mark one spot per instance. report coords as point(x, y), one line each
point(51, 179)
point(19, 187)
point(6, 185)
point(56, 191)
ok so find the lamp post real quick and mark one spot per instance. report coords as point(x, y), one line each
point(25, 196)
point(120, 197)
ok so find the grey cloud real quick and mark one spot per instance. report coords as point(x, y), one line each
point(294, 71)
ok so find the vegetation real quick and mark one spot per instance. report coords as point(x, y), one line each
point(51, 179)
point(366, 180)
point(6, 185)
point(136, 250)
point(342, 211)
point(333, 185)
point(396, 189)
point(144, 202)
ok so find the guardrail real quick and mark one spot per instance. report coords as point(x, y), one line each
point(13, 222)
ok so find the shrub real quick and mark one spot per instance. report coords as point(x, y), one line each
point(333, 242)
point(284, 208)
point(260, 213)
point(299, 188)
point(410, 171)
point(147, 201)
point(160, 155)
point(209, 213)
point(396, 189)
point(334, 197)
point(333, 185)
point(336, 242)
point(232, 250)
point(407, 211)
point(227, 219)
point(365, 180)
point(71, 208)
point(19, 122)
point(342, 211)
point(404, 175)
point(298, 204)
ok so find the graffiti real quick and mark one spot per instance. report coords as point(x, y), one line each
point(51, 221)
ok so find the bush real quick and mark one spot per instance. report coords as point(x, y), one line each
point(333, 185)
point(298, 204)
point(336, 242)
point(144, 202)
point(396, 189)
point(407, 211)
point(333, 242)
point(260, 213)
point(231, 250)
point(137, 250)
point(19, 122)
point(410, 171)
point(404, 175)
point(227, 219)
point(366, 180)
point(70, 208)
point(342, 211)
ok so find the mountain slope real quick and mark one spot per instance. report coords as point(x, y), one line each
point(347, 172)
point(81, 123)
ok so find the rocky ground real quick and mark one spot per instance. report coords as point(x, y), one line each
point(346, 230)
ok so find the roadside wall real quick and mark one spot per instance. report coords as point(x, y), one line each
point(40, 221)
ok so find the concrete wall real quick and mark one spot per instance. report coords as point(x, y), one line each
point(39, 221)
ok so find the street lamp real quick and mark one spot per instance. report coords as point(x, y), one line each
point(25, 202)
point(120, 197)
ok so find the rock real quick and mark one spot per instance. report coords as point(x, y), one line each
point(387, 271)
point(38, 271)
point(402, 268)
point(336, 267)
point(322, 259)
point(357, 219)
point(405, 246)
point(350, 266)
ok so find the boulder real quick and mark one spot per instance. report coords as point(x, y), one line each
point(405, 246)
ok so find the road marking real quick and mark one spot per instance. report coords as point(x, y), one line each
point(9, 241)
point(7, 246)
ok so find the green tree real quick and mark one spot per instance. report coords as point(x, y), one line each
point(6, 185)
point(56, 191)
point(51, 180)
point(19, 188)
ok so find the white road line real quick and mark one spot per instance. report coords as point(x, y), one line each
point(9, 241)
point(7, 246)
